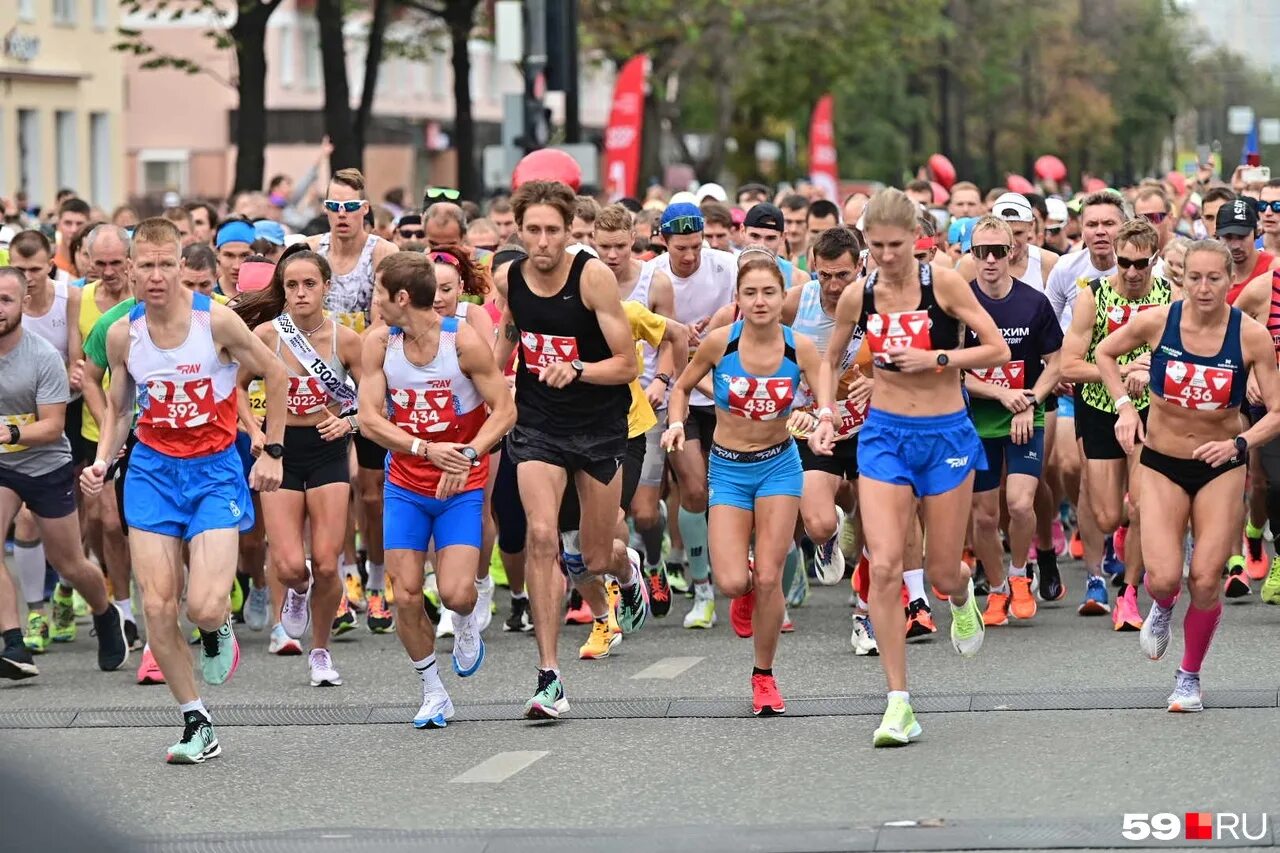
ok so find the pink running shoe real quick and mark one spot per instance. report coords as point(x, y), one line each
point(1118, 539)
point(149, 671)
point(1125, 616)
point(1059, 538)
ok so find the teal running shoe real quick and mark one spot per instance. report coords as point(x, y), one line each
point(199, 742)
point(221, 654)
point(549, 702)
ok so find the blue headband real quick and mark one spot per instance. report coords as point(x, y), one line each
point(235, 231)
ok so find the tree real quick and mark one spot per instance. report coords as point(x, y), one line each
point(337, 92)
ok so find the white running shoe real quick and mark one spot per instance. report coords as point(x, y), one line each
point(445, 628)
point(468, 646)
point(296, 613)
point(483, 612)
point(257, 609)
point(437, 707)
point(863, 638)
point(828, 559)
point(703, 612)
point(322, 672)
point(282, 644)
point(1186, 697)
point(1156, 632)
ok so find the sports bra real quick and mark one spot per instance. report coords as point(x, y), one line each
point(758, 398)
point(927, 327)
point(1206, 382)
point(307, 394)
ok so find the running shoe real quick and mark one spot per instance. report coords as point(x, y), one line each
point(355, 591)
point(1059, 538)
point(827, 557)
point(257, 608)
point(63, 629)
point(378, 617)
point(600, 642)
point(1126, 616)
point(967, 629)
point(577, 613)
point(521, 619)
point(437, 707)
point(16, 663)
point(1186, 697)
point(391, 593)
point(614, 595)
point(980, 584)
point(766, 701)
point(703, 612)
point(444, 627)
point(997, 612)
point(1076, 546)
point(81, 607)
point(296, 615)
point(237, 596)
point(1118, 540)
point(221, 654)
point(1156, 631)
point(1236, 584)
point(1255, 556)
point(898, 726)
point(548, 702)
point(113, 644)
point(1049, 585)
point(678, 577)
point(741, 610)
point(1095, 598)
point(633, 604)
point(863, 638)
point(345, 621)
point(1111, 562)
point(199, 742)
point(788, 627)
point(498, 570)
point(131, 635)
point(468, 646)
point(323, 673)
point(1271, 586)
point(282, 644)
point(149, 671)
point(483, 611)
point(1022, 604)
point(37, 636)
point(798, 592)
point(920, 619)
point(659, 591)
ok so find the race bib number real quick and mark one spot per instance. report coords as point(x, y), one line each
point(852, 415)
point(541, 351)
point(1195, 386)
point(18, 421)
point(258, 398)
point(307, 394)
point(424, 411)
point(1118, 315)
point(759, 399)
point(171, 404)
point(903, 329)
point(1012, 375)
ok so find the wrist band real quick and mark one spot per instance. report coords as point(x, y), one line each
point(101, 462)
point(1122, 400)
point(415, 447)
point(676, 425)
point(825, 414)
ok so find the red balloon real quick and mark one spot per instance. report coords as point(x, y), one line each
point(1050, 168)
point(1019, 184)
point(547, 164)
point(1093, 185)
point(940, 194)
point(942, 170)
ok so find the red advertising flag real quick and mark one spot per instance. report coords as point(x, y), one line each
point(822, 149)
point(626, 122)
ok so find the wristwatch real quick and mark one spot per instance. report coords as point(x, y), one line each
point(275, 451)
point(354, 424)
point(1242, 446)
point(578, 366)
point(664, 378)
point(472, 456)
point(14, 434)
point(943, 359)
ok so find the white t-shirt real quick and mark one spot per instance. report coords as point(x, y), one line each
point(1072, 274)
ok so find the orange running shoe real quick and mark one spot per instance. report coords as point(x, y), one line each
point(1023, 603)
point(1255, 557)
point(1076, 547)
point(740, 612)
point(379, 618)
point(997, 612)
point(920, 619)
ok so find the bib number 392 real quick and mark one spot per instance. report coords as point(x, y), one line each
point(178, 405)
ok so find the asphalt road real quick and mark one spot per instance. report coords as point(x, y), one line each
point(1045, 740)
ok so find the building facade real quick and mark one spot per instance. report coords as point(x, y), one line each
point(61, 101)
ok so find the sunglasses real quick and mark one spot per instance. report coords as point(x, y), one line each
point(1054, 229)
point(1155, 218)
point(447, 193)
point(485, 247)
point(349, 206)
point(680, 225)
point(995, 250)
point(1273, 206)
point(420, 234)
point(1139, 264)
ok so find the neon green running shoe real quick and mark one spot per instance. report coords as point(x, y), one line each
point(898, 727)
point(237, 596)
point(83, 613)
point(497, 571)
point(199, 742)
point(37, 637)
point(64, 617)
point(1271, 586)
point(967, 629)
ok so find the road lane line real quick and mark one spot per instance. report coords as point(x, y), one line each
point(499, 768)
point(668, 668)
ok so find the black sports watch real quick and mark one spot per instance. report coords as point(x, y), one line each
point(943, 359)
point(472, 456)
point(577, 365)
point(664, 378)
point(275, 451)
point(14, 434)
point(1242, 446)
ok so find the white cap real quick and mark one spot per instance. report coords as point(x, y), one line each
point(714, 191)
point(7, 233)
point(1058, 214)
point(1013, 207)
point(294, 239)
point(683, 196)
point(575, 248)
point(172, 199)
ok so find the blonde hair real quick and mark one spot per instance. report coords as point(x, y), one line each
point(993, 223)
point(1140, 234)
point(891, 207)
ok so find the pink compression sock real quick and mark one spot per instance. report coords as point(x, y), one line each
point(1166, 603)
point(1198, 629)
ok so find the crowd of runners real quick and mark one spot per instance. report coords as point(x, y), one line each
point(621, 412)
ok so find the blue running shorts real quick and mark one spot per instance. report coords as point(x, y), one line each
point(411, 521)
point(185, 497)
point(1004, 455)
point(931, 454)
point(739, 477)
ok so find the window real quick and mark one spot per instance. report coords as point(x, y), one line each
point(30, 174)
point(163, 170)
point(288, 37)
point(27, 10)
point(310, 54)
point(100, 14)
point(65, 12)
point(67, 149)
point(100, 159)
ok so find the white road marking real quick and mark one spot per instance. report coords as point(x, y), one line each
point(668, 668)
point(499, 768)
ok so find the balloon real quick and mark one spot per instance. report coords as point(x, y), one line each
point(547, 164)
point(1093, 185)
point(1019, 184)
point(940, 194)
point(942, 170)
point(1178, 181)
point(1050, 168)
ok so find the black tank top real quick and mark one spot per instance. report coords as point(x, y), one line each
point(927, 327)
point(560, 328)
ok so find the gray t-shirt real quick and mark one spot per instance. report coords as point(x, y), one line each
point(32, 374)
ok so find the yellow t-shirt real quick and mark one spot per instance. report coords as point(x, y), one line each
point(89, 316)
point(650, 328)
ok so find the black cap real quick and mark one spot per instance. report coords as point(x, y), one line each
point(1238, 218)
point(764, 215)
